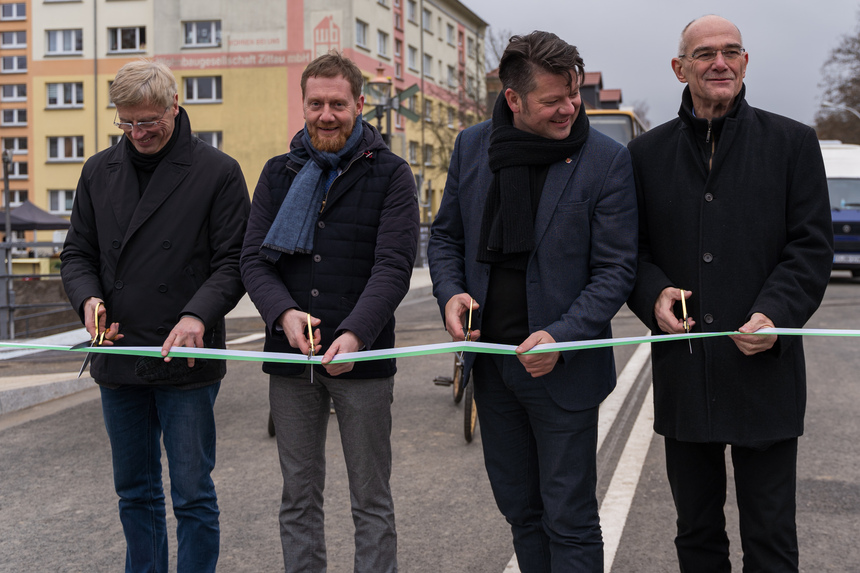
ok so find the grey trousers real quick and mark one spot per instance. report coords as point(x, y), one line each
point(301, 412)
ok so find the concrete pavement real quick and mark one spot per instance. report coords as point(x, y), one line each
point(23, 391)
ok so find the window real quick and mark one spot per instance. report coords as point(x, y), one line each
point(382, 43)
point(14, 92)
point(427, 21)
point(61, 201)
point(17, 145)
point(398, 21)
point(398, 119)
point(428, 154)
point(398, 48)
point(114, 139)
point(470, 85)
point(16, 199)
point(14, 64)
point(66, 95)
point(360, 34)
point(470, 47)
point(412, 11)
point(383, 2)
point(13, 117)
point(16, 11)
point(428, 110)
point(413, 152)
point(13, 40)
point(18, 170)
point(398, 70)
point(126, 39)
point(450, 34)
point(213, 138)
point(450, 117)
point(65, 42)
point(203, 89)
point(428, 66)
point(66, 148)
point(412, 58)
point(452, 77)
point(200, 34)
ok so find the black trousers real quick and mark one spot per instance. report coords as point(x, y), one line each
point(765, 480)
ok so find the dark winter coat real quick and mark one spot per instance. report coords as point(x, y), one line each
point(753, 234)
point(364, 248)
point(175, 251)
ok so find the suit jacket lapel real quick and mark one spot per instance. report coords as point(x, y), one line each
point(557, 181)
point(122, 186)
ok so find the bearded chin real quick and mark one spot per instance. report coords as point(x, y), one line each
point(330, 144)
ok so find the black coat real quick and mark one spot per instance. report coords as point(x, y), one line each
point(364, 248)
point(752, 235)
point(174, 251)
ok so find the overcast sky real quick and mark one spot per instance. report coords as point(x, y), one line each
point(632, 42)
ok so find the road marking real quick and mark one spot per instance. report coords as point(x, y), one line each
point(619, 497)
point(249, 338)
point(619, 488)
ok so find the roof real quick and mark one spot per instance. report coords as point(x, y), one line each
point(610, 95)
point(593, 79)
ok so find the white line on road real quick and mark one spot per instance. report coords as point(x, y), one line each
point(609, 410)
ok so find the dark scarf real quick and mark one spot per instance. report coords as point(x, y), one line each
point(146, 163)
point(507, 229)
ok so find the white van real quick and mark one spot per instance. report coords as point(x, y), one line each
point(842, 165)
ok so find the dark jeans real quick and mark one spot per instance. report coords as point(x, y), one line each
point(765, 481)
point(541, 462)
point(135, 418)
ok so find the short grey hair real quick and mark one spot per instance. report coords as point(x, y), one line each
point(143, 82)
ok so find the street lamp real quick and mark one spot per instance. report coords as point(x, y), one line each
point(841, 107)
point(7, 297)
point(379, 95)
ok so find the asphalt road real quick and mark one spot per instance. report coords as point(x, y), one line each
point(58, 508)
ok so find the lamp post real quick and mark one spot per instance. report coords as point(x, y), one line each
point(379, 94)
point(841, 107)
point(7, 296)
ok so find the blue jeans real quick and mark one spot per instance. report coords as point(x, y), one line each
point(135, 417)
point(542, 465)
point(301, 414)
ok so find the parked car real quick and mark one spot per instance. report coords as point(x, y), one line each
point(842, 165)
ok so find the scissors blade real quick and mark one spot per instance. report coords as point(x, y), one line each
point(87, 357)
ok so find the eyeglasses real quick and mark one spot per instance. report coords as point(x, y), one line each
point(144, 125)
point(708, 55)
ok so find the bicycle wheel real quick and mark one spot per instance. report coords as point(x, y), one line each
point(457, 380)
point(470, 413)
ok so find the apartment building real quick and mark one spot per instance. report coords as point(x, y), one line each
point(238, 66)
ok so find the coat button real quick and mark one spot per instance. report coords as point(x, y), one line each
point(118, 285)
point(162, 287)
point(707, 257)
point(315, 292)
point(709, 318)
point(161, 331)
point(116, 244)
point(317, 258)
point(321, 224)
point(165, 245)
point(709, 197)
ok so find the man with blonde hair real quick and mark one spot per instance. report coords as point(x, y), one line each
point(152, 259)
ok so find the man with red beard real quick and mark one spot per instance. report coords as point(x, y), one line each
point(331, 242)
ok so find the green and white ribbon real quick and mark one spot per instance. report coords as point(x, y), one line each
point(422, 350)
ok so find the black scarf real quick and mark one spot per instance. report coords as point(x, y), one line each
point(507, 229)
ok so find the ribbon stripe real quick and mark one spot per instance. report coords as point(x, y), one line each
point(422, 350)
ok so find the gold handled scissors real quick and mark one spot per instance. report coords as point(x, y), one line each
point(469, 325)
point(97, 340)
point(686, 324)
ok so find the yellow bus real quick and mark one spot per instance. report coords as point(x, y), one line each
point(622, 125)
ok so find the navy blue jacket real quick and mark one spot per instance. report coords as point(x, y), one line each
point(583, 264)
point(364, 248)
